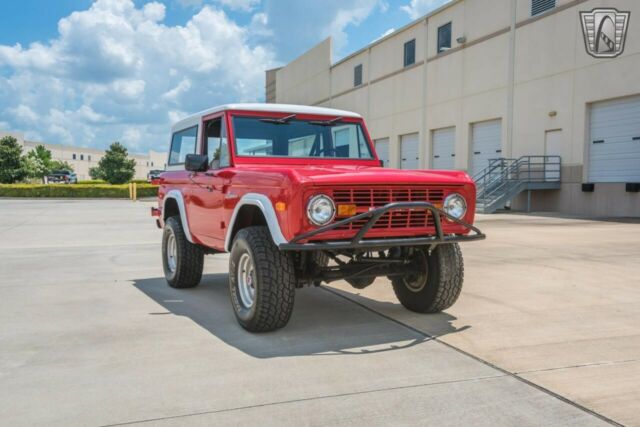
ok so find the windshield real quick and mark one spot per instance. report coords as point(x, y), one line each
point(267, 137)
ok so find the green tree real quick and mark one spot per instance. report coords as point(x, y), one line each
point(95, 173)
point(34, 167)
point(115, 167)
point(11, 162)
point(37, 162)
point(61, 165)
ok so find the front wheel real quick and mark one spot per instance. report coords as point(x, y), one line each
point(439, 283)
point(262, 281)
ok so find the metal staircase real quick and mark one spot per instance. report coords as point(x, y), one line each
point(504, 179)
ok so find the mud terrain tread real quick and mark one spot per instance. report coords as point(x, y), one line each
point(190, 258)
point(451, 277)
point(446, 276)
point(276, 277)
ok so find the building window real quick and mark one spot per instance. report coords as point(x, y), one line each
point(357, 75)
point(410, 52)
point(81, 156)
point(89, 157)
point(539, 6)
point(151, 164)
point(147, 164)
point(73, 156)
point(444, 37)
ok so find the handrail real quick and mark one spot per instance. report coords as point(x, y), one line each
point(504, 174)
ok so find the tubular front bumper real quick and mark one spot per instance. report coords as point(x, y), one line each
point(359, 242)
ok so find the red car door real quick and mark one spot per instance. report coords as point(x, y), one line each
point(209, 188)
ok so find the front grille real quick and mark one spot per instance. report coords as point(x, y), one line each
point(364, 199)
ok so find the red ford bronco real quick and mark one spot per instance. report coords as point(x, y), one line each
point(298, 197)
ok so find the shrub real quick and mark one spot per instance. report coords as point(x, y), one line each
point(91, 182)
point(78, 191)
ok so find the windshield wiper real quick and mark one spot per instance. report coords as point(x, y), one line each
point(281, 121)
point(331, 122)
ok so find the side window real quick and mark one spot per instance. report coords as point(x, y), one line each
point(182, 143)
point(216, 142)
point(444, 37)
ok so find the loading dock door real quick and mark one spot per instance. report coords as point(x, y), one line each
point(409, 151)
point(614, 143)
point(382, 148)
point(486, 144)
point(443, 156)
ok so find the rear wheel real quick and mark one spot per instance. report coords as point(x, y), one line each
point(439, 283)
point(262, 281)
point(182, 260)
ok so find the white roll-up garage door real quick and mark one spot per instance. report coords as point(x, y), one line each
point(444, 148)
point(486, 143)
point(614, 143)
point(382, 148)
point(409, 151)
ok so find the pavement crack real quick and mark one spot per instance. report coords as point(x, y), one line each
point(306, 399)
point(581, 365)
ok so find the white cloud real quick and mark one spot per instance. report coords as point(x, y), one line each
point(352, 15)
point(385, 34)
point(418, 8)
point(117, 70)
point(175, 93)
point(23, 114)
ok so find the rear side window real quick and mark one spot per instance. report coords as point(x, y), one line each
point(183, 143)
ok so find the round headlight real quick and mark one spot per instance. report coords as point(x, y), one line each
point(455, 205)
point(320, 209)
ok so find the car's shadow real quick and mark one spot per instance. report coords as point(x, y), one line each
point(323, 322)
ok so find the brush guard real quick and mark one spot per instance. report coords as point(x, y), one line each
point(359, 242)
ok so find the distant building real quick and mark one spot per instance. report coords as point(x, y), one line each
point(81, 158)
point(477, 80)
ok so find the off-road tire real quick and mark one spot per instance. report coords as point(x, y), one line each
point(190, 257)
point(274, 281)
point(445, 274)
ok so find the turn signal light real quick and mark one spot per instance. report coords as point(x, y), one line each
point(346, 210)
point(281, 206)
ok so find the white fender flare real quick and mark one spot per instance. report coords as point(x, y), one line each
point(265, 205)
point(177, 196)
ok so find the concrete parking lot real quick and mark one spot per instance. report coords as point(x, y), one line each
point(546, 332)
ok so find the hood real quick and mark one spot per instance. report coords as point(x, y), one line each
point(367, 175)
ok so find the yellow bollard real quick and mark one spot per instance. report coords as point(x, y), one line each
point(135, 191)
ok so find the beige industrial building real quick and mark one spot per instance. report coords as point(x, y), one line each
point(82, 158)
point(477, 80)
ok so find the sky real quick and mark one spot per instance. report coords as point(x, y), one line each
point(91, 72)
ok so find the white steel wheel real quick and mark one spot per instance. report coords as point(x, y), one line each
point(172, 252)
point(246, 280)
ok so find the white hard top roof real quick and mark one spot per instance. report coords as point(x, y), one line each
point(277, 108)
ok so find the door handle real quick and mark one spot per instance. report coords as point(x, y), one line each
point(476, 152)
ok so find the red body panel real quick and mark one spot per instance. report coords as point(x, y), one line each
point(210, 198)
